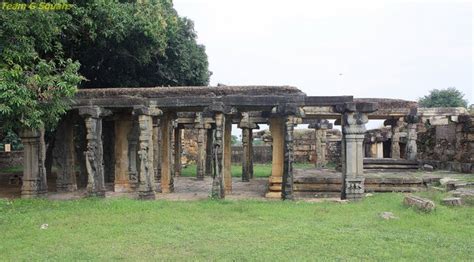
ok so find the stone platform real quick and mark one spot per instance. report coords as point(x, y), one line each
point(328, 183)
point(390, 164)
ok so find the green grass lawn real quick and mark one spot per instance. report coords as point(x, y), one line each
point(11, 170)
point(259, 170)
point(113, 229)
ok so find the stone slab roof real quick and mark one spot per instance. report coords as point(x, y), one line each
point(189, 91)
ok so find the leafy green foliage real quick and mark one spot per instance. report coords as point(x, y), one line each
point(35, 79)
point(43, 55)
point(450, 97)
point(122, 44)
point(10, 138)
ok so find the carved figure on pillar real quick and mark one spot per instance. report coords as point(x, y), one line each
point(145, 151)
point(94, 155)
point(218, 111)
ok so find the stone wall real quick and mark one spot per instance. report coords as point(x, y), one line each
point(261, 154)
point(449, 146)
point(11, 159)
point(190, 146)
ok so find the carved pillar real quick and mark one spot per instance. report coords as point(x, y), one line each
point(221, 180)
point(123, 126)
point(94, 153)
point(177, 151)
point(247, 145)
point(246, 157)
point(64, 156)
point(209, 143)
point(396, 124)
point(411, 147)
point(146, 172)
point(277, 129)
point(133, 154)
point(166, 176)
point(353, 132)
point(201, 156)
point(34, 171)
point(156, 148)
point(218, 157)
point(320, 126)
point(227, 158)
point(200, 125)
point(287, 183)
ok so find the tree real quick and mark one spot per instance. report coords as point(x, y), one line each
point(35, 78)
point(126, 44)
point(450, 97)
point(44, 55)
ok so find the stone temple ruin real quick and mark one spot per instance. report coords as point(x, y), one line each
point(132, 138)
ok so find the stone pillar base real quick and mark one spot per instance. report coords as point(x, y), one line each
point(29, 189)
point(96, 194)
point(66, 188)
point(146, 195)
point(354, 188)
point(122, 187)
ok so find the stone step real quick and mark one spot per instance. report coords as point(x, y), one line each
point(374, 166)
point(390, 161)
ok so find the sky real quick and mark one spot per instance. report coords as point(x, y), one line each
point(393, 49)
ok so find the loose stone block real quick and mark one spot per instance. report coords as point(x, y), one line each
point(452, 201)
point(420, 203)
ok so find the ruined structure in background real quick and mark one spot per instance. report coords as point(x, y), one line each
point(138, 139)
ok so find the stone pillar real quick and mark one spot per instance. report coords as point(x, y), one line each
point(221, 173)
point(65, 156)
point(156, 148)
point(177, 151)
point(287, 183)
point(246, 157)
point(200, 125)
point(209, 143)
point(227, 158)
point(133, 154)
point(247, 145)
point(146, 172)
point(379, 153)
point(353, 132)
point(201, 156)
point(396, 124)
point(276, 178)
point(94, 153)
point(320, 126)
point(166, 176)
point(411, 147)
point(123, 126)
point(34, 171)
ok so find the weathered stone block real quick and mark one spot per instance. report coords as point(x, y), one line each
point(452, 201)
point(420, 203)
